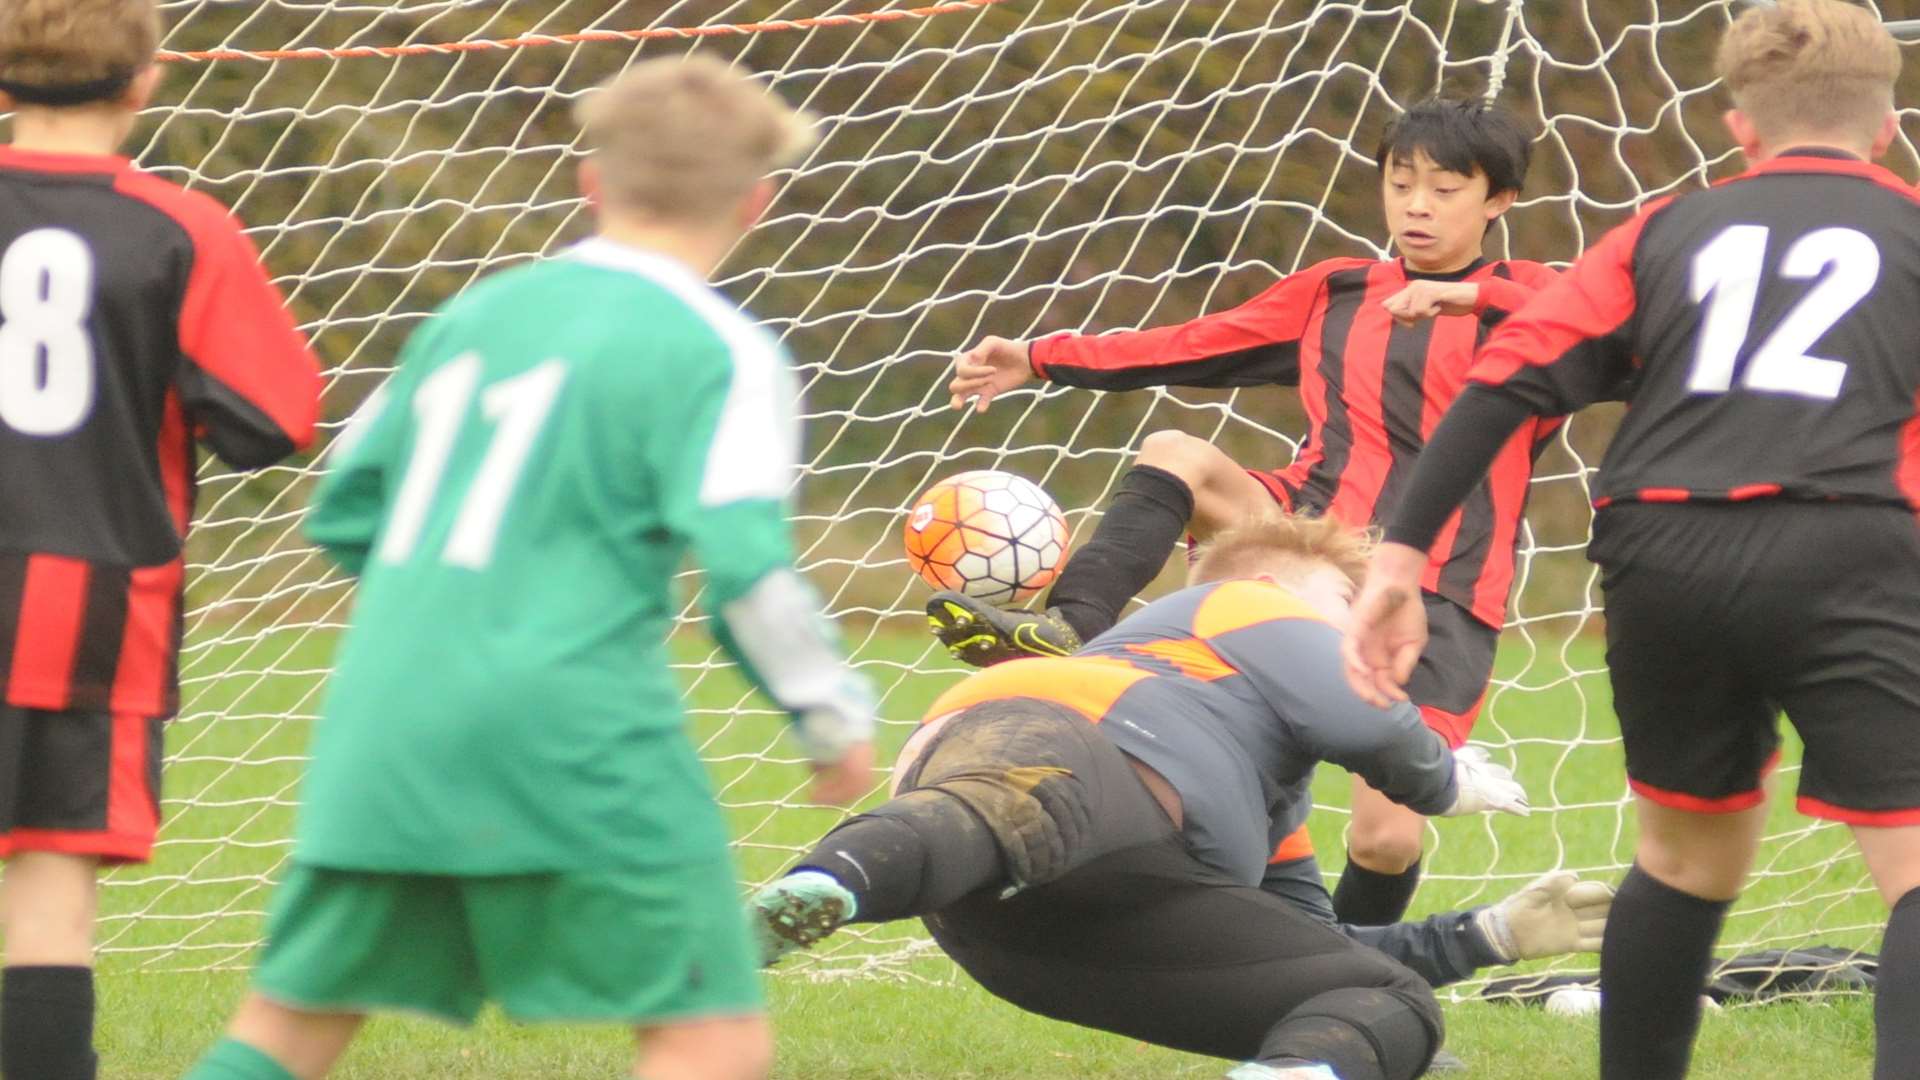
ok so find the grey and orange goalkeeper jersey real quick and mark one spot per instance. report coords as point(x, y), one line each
point(1233, 692)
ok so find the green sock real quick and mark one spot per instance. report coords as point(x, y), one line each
point(231, 1059)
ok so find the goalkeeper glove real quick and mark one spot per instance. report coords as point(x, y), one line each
point(1554, 914)
point(1484, 786)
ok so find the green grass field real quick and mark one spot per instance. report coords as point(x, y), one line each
point(178, 932)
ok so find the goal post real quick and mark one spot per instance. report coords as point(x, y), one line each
point(1012, 167)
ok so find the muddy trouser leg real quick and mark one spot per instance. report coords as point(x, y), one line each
point(1011, 794)
point(1148, 943)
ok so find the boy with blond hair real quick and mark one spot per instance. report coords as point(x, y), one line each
point(134, 316)
point(502, 805)
point(1755, 524)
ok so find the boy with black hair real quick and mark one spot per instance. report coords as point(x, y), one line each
point(1378, 348)
point(134, 317)
point(1754, 520)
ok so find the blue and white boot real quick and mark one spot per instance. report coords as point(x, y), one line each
point(797, 911)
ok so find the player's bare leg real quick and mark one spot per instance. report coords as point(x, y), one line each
point(1224, 494)
point(266, 1036)
point(1687, 870)
point(46, 1021)
point(1703, 855)
point(1384, 840)
point(1893, 858)
point(1178, 484)
point(50, 904)
point(718, 1048)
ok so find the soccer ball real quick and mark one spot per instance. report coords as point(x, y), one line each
point(989, 534)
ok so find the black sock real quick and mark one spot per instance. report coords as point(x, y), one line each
point(912, 856)
point(1370, 898)
point(1142, 526)
point(46, 1023)
point(1653, 966)
point(1896, 1002)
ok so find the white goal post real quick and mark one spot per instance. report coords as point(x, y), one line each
point(985, 166)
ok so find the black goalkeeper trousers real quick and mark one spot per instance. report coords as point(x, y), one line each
point(1123, 929)
point(1148, 943)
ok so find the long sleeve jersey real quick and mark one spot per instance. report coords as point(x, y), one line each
point(1373, 391)
point(1232, 691)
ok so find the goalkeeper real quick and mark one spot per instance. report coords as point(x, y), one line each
point(1090, 837)
point(501, 805)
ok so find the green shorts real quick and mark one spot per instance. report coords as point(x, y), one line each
point(633, 947)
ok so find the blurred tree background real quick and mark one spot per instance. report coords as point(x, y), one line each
point(1021, 167)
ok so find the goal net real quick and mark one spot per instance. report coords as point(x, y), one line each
point(985, 166)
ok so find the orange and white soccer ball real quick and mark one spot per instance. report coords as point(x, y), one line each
point(989, 534)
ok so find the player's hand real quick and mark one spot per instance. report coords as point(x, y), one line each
point(1484, 787)
point(1553, 915)
point(1388, 626)
point(1427, 299)
point(988, 370)
point(843, 782)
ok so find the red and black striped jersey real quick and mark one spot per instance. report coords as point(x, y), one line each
point(134, 317)
point(1761, 330)
point(1373, 390)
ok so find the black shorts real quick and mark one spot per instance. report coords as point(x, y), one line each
point(1721, 616)
point(79, 783)
point(1449, 684)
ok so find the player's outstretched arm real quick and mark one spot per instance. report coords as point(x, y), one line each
point(1554, 915)
point(1255, 344)
point(1294, 664)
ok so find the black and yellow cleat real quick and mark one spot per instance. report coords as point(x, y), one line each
point(980, 634)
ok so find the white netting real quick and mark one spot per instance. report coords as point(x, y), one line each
point(1011, 167)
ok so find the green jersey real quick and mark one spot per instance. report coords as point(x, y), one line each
point(516, 503)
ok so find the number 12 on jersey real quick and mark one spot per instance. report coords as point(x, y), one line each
point(516, 408)
point(1726, 278)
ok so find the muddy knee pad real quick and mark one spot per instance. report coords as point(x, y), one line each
point(1050, 788)
point(1364, 1034)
